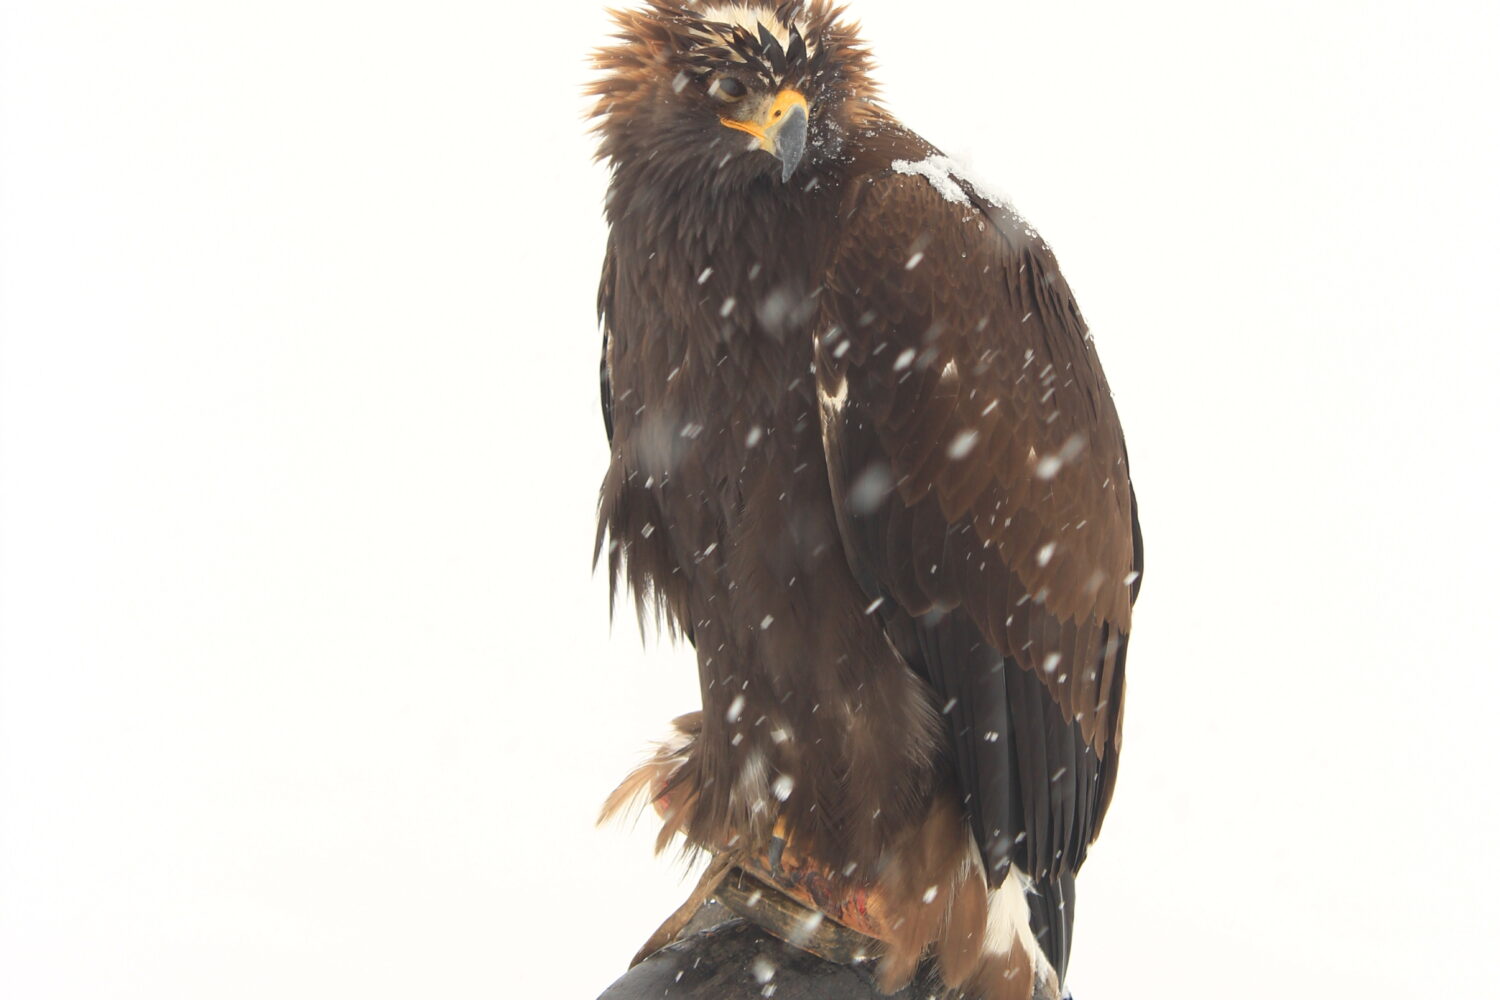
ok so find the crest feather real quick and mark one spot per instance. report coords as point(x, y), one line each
point(663, 46)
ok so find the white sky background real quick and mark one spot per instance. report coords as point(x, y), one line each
point(306, 689)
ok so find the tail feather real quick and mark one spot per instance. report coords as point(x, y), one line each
point(1052, 919)
point(1014, 967)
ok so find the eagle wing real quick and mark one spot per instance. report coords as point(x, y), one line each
point(985, 504)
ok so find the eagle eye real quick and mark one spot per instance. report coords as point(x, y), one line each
point(727, 89)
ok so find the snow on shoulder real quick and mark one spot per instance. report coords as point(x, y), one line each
point(944, 175)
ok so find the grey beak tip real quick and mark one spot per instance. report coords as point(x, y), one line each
point(791, 142)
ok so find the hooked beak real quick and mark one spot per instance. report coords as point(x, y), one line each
point(780, 130)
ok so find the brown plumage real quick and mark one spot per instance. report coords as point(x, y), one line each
point(864, 458)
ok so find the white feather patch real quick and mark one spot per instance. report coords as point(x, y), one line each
point(1010, 921)
point(751, 16)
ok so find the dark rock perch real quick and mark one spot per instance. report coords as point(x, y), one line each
point(722, 956)
point(728, 958)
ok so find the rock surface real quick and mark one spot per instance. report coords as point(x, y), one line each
point(730, 959)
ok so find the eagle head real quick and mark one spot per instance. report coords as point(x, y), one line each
point(724, 92)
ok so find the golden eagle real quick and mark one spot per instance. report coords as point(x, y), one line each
point(864, 458)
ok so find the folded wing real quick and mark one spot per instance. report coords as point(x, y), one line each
point(985, 502)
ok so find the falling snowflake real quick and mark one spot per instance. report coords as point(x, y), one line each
point(806, 928)
point(962, 444)
point(870, 489)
